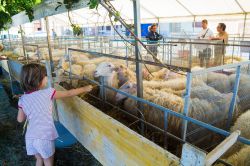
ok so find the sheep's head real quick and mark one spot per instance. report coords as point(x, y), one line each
point(171, 75)
point(123, 74)
point(104, 69)
point(128, 87)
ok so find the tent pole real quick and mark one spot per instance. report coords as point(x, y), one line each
point(49, 44)
point(194, 23)
point(137, 24)
point(244, 26)
point(23, 42)
point(9, 38)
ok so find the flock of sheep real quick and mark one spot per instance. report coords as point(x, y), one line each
point(210, 96)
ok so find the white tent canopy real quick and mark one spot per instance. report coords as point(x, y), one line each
point(162, 9)
point(158, 11)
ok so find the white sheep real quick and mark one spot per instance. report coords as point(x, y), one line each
point(88, 70)
point(18, 51)
point(239, 158)
point(210, 94)
point(219, 81)
point(243, 124)
point(175, 84)
point(107, 71)
point(166, 74)
point(145, 73)
point(243, 91)
point(200, 109)
point(95, 61)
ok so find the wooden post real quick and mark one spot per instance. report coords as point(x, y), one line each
point(222, 148)
point(49, 44)
point(23, 43)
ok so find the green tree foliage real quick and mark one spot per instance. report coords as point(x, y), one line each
point(9, 8)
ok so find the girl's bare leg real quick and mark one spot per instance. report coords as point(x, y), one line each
point(49, 161)
point(39, 160)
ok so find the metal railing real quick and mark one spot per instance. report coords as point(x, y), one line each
point(167, 112)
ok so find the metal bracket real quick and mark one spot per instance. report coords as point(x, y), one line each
point(192, 156)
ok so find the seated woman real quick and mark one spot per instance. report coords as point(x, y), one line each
point(219, 50)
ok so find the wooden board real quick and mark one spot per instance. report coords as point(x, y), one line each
point(112, 143)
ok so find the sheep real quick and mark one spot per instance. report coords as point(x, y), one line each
point(219, 81)
point(145, 72)
point(81, 54)
point(175, 84)
point(163, 98)
point(93, 61)
point(77, 59)
point(202, 77)
point(243, 90)
point(107, 71)
point(243, 124)
point(241, 158)
point(76, 69)
point(213, 96)
point(88, 70)
point(18, 51)
point(124, 74)
point(199, 109)
point(57, 54)
point(165, 74)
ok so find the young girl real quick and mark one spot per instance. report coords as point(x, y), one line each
point(36, 105)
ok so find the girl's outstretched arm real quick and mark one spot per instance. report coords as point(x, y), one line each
point(72, 92)
point(20, 116)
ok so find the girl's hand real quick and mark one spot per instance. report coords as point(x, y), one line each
point(88, 88)
point(72, 92)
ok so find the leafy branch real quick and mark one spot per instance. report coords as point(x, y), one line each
point(9, 8)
